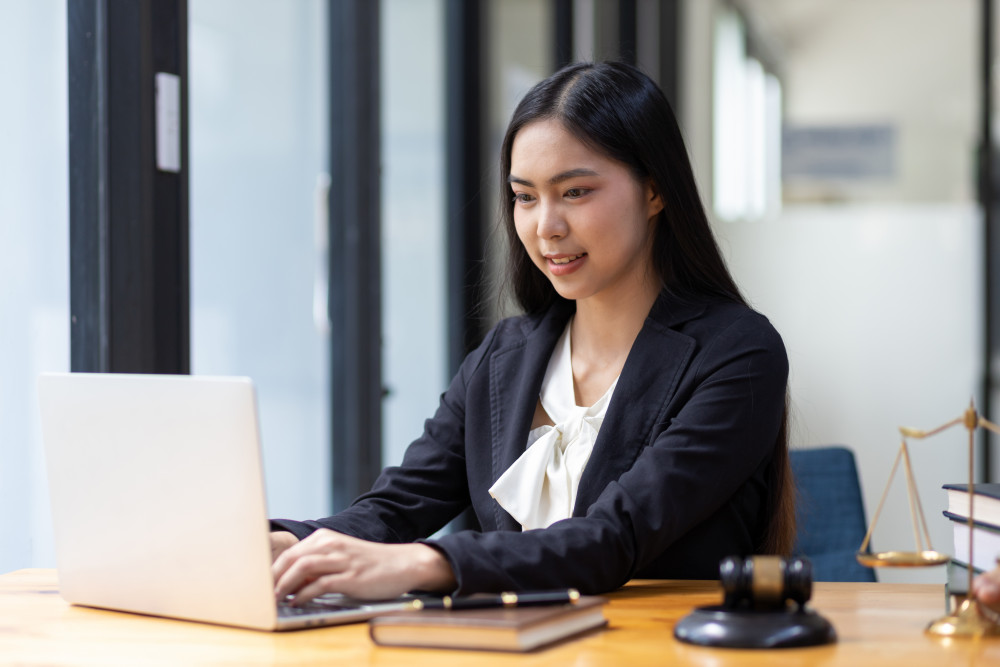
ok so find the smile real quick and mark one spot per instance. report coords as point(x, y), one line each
point(566, 264)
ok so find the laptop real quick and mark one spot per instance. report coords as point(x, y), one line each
point(158, 501)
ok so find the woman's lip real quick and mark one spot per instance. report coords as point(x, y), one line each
point(568, 267)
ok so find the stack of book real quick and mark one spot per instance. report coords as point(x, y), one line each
point(985, 534)
point(985, 523)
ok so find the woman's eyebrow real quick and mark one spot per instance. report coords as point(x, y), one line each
point(558, 178)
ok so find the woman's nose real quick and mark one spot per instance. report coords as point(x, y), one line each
point(551, 224)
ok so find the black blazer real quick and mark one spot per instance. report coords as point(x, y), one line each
point(676, 480)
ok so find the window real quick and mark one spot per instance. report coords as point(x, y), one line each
point(747, 127)
point(34, 264)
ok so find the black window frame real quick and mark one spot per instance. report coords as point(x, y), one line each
point(355, 253)
point(129, 300)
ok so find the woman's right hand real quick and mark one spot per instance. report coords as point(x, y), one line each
point(280, 541)
point(331, 562)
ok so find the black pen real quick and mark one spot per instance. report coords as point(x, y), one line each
point(502, 600)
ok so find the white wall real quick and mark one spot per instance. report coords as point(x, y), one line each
point(874, 303)
point(877, 295)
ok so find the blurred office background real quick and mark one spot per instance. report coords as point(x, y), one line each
point(835, 142)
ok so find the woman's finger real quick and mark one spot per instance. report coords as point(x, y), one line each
point(330, 583)
point(306, 569)
point(322, 541)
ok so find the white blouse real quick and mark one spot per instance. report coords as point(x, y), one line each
point(540, 487)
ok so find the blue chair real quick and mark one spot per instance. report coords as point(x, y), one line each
point(830, 513)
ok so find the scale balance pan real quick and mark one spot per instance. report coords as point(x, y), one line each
point(902, 558)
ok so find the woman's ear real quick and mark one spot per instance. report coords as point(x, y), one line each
point(654, 203)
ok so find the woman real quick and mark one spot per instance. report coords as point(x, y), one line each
point(630, 424)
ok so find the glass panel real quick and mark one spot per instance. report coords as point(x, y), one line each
point(258, 137)
point(520, 55)
point(746, 127)
point(730, 116)
point(414, 264)
point(34, 263)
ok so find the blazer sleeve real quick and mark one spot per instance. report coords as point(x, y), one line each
point(429, 487)
point(724, 427)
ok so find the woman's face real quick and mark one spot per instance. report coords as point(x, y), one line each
point(584, 219)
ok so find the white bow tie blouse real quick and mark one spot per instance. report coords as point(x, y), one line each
point(540, 487)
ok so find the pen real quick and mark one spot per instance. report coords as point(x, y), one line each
point(502, 600)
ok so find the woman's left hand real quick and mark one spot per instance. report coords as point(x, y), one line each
point(330, 562)
point(986, 588)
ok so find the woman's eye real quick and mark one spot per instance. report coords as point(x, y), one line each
point(523, 198)
point(575, 193)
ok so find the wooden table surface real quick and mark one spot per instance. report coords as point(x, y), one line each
point(877, 624)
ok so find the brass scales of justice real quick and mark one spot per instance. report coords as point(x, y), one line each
point(967, 620)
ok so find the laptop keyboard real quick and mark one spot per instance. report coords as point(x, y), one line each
point(286, 610)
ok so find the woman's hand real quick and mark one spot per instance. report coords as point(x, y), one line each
point(329, 562)
point(986, 588)
point(280, 541)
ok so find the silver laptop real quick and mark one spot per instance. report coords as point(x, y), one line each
point(158, 501)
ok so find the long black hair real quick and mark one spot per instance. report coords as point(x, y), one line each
point(620, 112)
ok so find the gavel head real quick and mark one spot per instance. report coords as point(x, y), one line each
point(765, 582)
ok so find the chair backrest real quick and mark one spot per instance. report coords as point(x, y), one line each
point(830, 513)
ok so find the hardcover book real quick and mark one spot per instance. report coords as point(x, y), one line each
point(499, 629)
point(985, 542)
point(986, 505)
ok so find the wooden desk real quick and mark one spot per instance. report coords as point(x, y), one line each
point(877, 624)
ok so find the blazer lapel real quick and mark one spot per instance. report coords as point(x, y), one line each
point(516, 374)
point(649, 379)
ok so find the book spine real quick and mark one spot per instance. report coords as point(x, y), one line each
point(964, 518)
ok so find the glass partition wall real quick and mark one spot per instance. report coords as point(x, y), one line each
point(258, 117)
point(414, 262)
point(259, 247)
